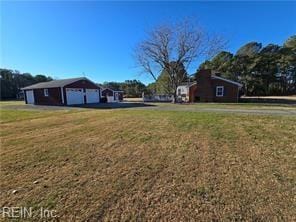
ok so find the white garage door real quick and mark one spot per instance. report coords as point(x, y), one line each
point(92, 96)
point(74, 96)
point(30, 96)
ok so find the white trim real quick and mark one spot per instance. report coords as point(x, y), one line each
point(119, 91)
point(227, 80)
point(107, 88)
point(217, 90)
point(62, 94)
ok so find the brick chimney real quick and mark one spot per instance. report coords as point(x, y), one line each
point(204, 74)
point(204, 85)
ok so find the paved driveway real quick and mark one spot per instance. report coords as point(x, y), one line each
point(267, 109)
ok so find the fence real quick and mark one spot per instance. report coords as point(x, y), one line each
point(157, 98)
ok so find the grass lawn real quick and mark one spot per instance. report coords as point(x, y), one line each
point(233, 106)
point(149, 164)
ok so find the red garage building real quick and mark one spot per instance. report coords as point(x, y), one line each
point(63, 92)
point(112, 95)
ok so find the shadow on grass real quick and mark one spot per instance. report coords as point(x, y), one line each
point(114, 105)
point(267, 100)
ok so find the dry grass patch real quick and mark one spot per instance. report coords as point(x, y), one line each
point(150, 165)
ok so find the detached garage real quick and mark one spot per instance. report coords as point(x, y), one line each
point(74, 91)
point(112, 95)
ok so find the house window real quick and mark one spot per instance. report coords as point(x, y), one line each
point(45, 92)
point(179, 92)
point(220, 91)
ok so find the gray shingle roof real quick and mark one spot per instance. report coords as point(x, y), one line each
point(54, 83)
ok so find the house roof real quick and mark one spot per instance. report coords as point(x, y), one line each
point(54, 83)
point(111, 89)
point(227, 80)
point(213, 77)
point(187, 84)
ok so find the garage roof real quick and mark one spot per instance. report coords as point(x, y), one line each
point(54, 83)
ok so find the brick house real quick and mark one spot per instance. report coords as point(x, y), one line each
point(209, 88)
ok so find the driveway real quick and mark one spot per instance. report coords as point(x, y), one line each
point(244, 108)
point(289, 112)
point(263, 109)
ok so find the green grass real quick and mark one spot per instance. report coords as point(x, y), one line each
point(17, 115)
point(149, 164)
point(12, 102)
point(264, 106)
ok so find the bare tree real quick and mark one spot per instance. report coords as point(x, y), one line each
point(173, 48)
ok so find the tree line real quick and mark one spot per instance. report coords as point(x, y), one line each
point(12, 81)
point(263, 71)
point(132, 88)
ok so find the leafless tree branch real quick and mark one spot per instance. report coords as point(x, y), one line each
point(174, 48)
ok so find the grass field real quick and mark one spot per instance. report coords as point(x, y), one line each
point(149, 164)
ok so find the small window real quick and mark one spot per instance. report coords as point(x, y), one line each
point(220, 91)
point(45, 92)
point(179, 92)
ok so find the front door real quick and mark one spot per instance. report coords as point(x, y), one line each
point(30, 96)
point(116, 97)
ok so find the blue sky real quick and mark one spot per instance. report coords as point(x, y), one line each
point(64, 39)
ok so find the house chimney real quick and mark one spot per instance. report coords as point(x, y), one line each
point(204, 83)
point(204, 74)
